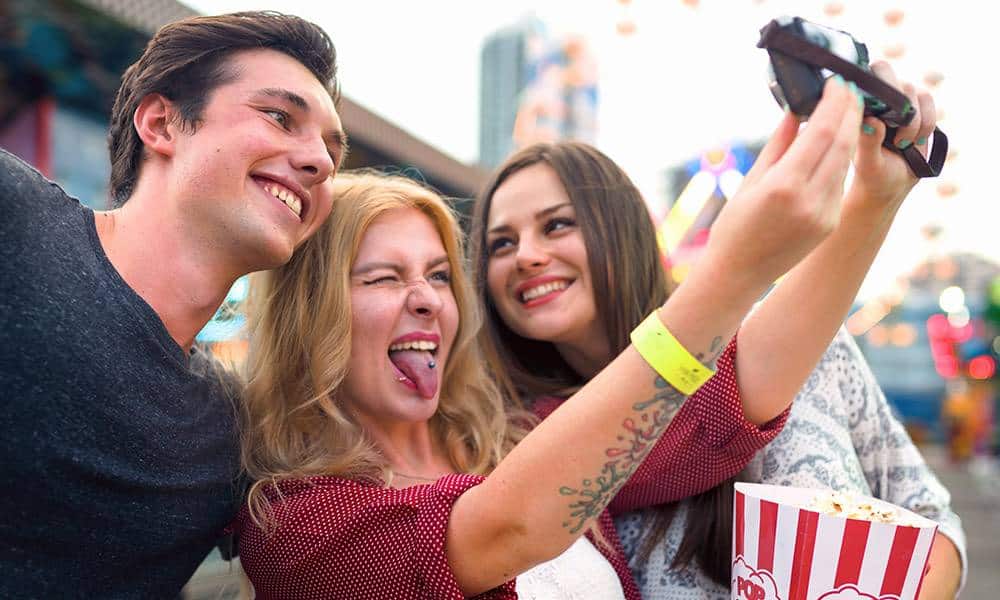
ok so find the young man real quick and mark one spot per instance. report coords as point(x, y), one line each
point(119, 453)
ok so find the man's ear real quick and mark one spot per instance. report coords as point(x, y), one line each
point(154, 122)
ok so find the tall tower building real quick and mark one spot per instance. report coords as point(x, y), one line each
point(534, 88)
point(503, 76)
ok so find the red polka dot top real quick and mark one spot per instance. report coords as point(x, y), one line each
point(336, 538)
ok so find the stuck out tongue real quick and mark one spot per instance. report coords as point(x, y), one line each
point(413, 364)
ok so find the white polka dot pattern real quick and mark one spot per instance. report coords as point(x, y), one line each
point(338, 538)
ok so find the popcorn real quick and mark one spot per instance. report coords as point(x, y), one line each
point(849, 506)
point(804, 544)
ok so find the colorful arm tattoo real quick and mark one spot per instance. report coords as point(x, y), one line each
point(640, 435)
point(714, 351)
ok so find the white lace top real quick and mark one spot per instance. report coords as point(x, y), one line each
point(841, 435)
point(579, 573)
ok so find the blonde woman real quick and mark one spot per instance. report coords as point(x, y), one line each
point(386, 466)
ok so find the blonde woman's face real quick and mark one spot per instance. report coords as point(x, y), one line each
point(537, 270)
point(404, 321)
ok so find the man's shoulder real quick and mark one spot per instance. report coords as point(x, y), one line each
point(223, 379)
point(21, 183)
point(15, 168)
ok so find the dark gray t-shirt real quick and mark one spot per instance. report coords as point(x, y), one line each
point(118, 460)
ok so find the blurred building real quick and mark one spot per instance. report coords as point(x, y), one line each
point(61, 66)
point(62, 61)
point(534, 87)
point(932, 348)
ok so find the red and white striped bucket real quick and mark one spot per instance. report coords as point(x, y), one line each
point(784, 552)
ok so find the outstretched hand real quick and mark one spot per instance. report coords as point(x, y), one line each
point(882, 178)
point(791, 199)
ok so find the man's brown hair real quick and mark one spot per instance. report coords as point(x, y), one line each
point(188, 59)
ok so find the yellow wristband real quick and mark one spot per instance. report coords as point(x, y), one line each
point(668, 357)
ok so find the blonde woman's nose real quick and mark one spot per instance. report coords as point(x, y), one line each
point(423, 299)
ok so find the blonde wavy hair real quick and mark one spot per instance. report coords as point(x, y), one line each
point(300, 343)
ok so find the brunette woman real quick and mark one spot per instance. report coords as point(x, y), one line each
point(560, 222)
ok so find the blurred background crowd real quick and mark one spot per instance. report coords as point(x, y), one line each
point(674, 91)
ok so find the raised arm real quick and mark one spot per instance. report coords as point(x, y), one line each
point(550, 488)
point(783, 339)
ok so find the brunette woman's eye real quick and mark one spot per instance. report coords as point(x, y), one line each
point(559, 223)
point(500, 244)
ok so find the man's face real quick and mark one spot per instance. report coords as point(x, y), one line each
point(254, 179)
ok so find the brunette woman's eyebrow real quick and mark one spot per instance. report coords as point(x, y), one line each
point(538, 216)
point(548, 211)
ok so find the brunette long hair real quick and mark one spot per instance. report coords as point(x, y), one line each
point(624, 259)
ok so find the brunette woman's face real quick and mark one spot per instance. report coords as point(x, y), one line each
point(537, 271)
point(404, 319)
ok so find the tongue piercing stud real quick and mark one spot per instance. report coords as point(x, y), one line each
point(431, 364)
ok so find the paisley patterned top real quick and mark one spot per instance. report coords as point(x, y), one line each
point(841, 434)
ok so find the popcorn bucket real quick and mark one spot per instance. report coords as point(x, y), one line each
point(784, 551)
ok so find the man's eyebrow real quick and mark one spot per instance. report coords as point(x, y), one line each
point(335, 137)
point(287, 95)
